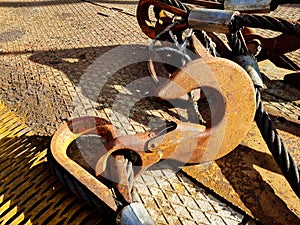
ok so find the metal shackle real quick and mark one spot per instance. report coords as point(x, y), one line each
point(211, 20)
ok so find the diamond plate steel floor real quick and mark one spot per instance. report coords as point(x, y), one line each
point(46, 49)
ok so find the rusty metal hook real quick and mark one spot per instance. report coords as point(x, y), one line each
point(229, 80)
point(69, 132)
point(158, 144)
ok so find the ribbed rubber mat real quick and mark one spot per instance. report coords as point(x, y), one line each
point(29, 193)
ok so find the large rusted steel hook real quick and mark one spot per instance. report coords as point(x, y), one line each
point(232, 99)
point(177, 140)
point(232, 93)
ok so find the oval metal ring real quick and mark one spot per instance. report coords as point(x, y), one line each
point(145, 23)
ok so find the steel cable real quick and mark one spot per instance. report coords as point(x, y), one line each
point(276, 146)
point(127, 163)
point(266, 22)
point(177, 4)
point(254, 21)
point(237, 46)
point(282, 2)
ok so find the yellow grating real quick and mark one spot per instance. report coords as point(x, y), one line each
point(29, 194)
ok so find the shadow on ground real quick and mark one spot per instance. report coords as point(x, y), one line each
point(238, 167)
point(28, 187)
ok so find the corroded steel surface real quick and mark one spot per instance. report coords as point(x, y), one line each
point(68, 133)
point(152, 147)
point(232, 92)
point(272, 48)
point(249, 177)
point(45, 48)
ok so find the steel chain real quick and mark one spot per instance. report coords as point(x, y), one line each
point(209, 44)
point(176, 48)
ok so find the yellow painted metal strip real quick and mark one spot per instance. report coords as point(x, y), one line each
point(28, 223)
point(28, 188)
point(18, 219)
point(4, 207)
point(11, 129)
point(8, 215)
